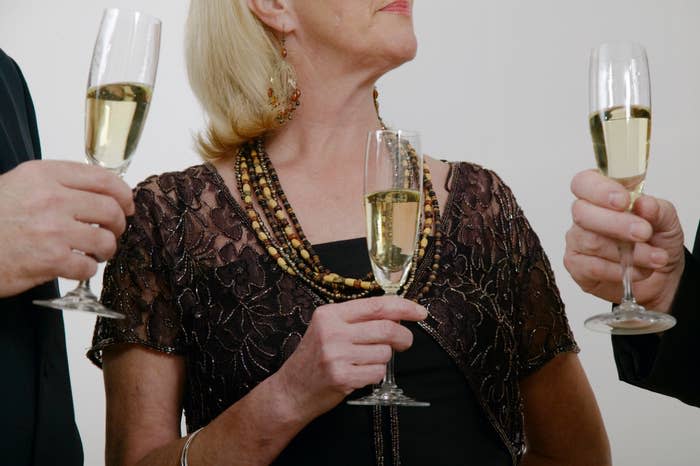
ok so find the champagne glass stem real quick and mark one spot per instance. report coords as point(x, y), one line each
point(389, 380)
point(626, 255)
point(389, 376)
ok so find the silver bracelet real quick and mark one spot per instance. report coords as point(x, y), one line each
point(186, 447)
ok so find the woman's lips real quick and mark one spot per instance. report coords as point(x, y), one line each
point(401, 7)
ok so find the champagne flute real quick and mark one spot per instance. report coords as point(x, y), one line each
point(119, 89)
point(393, 199)
point(620, 122)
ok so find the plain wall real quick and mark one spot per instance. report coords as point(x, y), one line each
point(501, 83)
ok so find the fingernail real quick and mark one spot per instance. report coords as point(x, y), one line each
point(639, 231)
point(658, 258)
point(617, 200)
point(422, 310)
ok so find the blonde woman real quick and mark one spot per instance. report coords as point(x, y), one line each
point(245, 279)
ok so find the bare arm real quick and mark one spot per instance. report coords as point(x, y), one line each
point(144, 399)
point(563, 425)
point(346, 347)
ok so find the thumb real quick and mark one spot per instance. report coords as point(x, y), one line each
point(660, 213)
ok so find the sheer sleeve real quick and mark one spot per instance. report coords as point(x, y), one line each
point(540, 321)
point(137, 283)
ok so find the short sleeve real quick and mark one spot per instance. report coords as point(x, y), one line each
point(541, 323)
point(137, 282)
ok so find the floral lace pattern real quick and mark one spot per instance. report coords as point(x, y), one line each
point(193, 280)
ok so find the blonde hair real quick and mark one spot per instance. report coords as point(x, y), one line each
point(233, 59)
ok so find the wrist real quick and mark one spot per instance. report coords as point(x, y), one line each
point(291, 410)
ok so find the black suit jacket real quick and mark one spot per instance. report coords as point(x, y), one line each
point(669, 364)
point(37, 425)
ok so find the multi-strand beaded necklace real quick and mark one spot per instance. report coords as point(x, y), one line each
point(287, 244)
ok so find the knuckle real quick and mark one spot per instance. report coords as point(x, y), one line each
point(594, 271)
point(102, 177)
point(320, 313)
point(106, 244)
point(576, 211)
point(45, 199)
point(327, 358)
point(386, 329)
point(385, 353)
point(30, 169)
point(336, 376)
point(407, 337)
point(86, 269)
point(114, 211)
point(591, 243)
point(374, 305)
point(569, 264)
point(377, 374)
point(55, 258)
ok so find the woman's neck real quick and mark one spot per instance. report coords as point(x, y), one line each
point(329, 127)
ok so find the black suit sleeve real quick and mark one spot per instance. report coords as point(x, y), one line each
point(668, 364)
point(31, 114)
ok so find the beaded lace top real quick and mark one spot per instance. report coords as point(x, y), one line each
point(194, 280)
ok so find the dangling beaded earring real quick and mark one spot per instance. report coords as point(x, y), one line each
point(375, 95)
point(287, 109)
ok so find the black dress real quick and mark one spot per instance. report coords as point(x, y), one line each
point(425, 372)
point(38, 426)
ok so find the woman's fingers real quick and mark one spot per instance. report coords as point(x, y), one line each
point(384, 332)
point(364, 375)
point(380, 308)
point(370, 354)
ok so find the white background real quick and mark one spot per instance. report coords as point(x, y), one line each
point(501, 83)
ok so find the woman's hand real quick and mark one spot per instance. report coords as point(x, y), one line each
point(346, 347)
point(601, 221)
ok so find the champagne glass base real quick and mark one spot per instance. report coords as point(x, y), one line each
point(630, 319)
point(80, 299)
point(388, 396)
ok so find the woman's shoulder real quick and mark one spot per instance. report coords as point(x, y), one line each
point(176, 191)
point(478, 186)
point(167, 182)
point(470, 173)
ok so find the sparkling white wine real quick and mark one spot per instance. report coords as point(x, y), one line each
point(114, 117)
point(392, 225)
point(621, 144)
